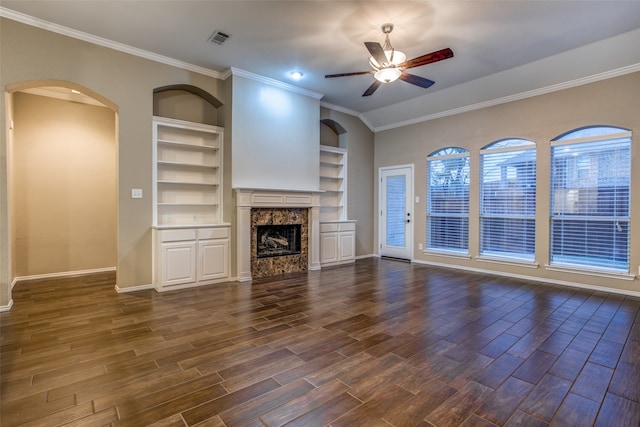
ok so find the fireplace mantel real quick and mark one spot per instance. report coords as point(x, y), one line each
point(247, 198)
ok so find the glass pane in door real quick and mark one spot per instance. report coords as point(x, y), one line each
point(396, 209)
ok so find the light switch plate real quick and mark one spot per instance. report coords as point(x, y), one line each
point(136, 193)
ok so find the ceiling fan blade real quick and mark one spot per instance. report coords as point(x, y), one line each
point(357, 73)
point(416, 80)
point(429, 58)
point(372, 88)
point(377, 52)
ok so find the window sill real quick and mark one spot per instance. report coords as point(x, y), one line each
point(447, 254)
point(508, 261)
point(590, 272)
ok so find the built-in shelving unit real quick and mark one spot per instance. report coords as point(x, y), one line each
point(337, 233)
point(191, 244)
point(333, 181)
point(187, 172)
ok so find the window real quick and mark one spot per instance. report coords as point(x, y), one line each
point(508, 199)
point(448, 200)
point(590, 179)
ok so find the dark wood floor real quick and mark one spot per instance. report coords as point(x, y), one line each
point(377, 343)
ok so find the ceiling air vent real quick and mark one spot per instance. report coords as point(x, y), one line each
point(219, 37)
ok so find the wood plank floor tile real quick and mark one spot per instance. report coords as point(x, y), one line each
point(626, 381)
point(300, 405)
point(535, 367)
point(592, 382)
point(454, 410)
point(374, 343)
point(279, 398)
point(504, 401)
point(618, 411)
point(576, 411)
point(326, 412)
point(546, 397)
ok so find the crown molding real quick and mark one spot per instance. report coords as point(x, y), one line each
point(100, 41)
point(274, 82)
point(516, 97)
point(340, 109)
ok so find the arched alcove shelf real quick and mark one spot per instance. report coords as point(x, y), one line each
point(187, 102)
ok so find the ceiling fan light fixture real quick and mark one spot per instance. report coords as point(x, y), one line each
point(394, 57)
point(387, 75)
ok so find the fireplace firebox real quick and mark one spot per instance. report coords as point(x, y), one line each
point(278, 240)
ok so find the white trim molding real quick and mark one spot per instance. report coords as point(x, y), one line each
point(533, 278)
point(133, 288)
point(100, 41)
point(6, 307)
point(274, 82)
point(63, 274)
point(247, 198)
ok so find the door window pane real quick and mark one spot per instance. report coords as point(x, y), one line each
point(396, 210)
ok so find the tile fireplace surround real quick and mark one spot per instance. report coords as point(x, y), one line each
point(248, 198)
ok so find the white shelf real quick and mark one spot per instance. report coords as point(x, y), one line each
point(210, 184)
point(187, 172)
point(185, 145)
point(333, 181)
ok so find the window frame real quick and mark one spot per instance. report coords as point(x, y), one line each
point(445, 154)
point(558, 261)
point(528, 234)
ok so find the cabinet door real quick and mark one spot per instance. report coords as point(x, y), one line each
point(347, 245)
point(178, 263)
point(213, 259)
point(328, 247)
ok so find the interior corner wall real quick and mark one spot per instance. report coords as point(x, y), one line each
point(540, 119)
point(30, 54)
point(277, 144)
point(360, 177)
point(63, 186)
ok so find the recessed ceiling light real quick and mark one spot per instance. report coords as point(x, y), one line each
point(296, 75)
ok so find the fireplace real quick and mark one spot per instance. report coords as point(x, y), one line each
point(277, 240)
point(276, 207)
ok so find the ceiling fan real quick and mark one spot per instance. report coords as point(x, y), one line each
point(389, 64)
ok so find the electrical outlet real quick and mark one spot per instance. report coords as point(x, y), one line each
point(136, 193)
point(420, 247)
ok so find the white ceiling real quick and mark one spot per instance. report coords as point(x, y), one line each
point(503, 48)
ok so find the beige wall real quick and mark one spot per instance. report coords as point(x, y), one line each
point(358, 140)
point(63, 186)
point(28, 53)
point(612, 102)
point(276, 143)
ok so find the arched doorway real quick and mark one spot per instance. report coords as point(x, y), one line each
point(62, 175)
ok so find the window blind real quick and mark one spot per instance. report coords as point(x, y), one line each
point(590, 195)
point(508, 199)
point(448, 200)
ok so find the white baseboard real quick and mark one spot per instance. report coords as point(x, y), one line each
point(62, 274)
point(532, 278)
point(365, 256)
point(6, 307)
point(133, 288)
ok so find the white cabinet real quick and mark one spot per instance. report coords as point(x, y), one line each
point(337, 242)
point(213, 254)
point(333, 181)
point(187, 172)
point(178, 263)
point(186, 257)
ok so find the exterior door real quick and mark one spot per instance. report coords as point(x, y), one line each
point(396, 211)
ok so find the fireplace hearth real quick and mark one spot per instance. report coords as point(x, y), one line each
point(277, 240)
